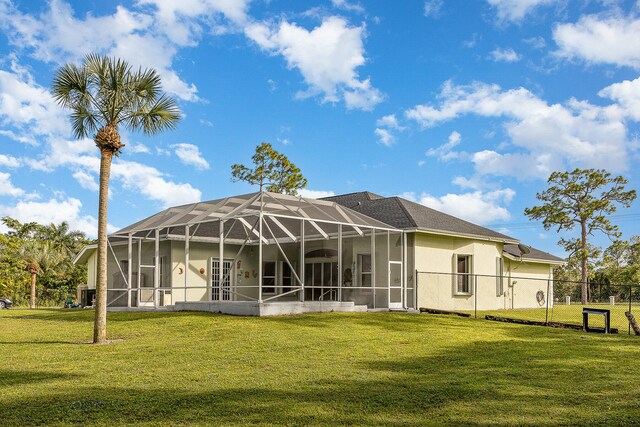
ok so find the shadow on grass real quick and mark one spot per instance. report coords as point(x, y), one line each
point(510, 381)
point(16, 378)
point(81, 315)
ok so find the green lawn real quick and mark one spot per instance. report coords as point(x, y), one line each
point(339, 368)
point(572, 314)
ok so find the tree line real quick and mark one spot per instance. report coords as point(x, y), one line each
point(36, 262)
point(585, 199)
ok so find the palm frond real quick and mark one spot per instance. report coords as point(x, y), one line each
point(146, 84)
point(107, 91)
point(163, 113)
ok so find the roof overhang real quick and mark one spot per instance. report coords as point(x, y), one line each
point(83, 256)
point(460, 235)
point(531, 260)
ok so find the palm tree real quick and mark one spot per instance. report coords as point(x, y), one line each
point(38, 256)
point(63, 239)
point(103, 94)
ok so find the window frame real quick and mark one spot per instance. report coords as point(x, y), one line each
point(274, 277)
point(361, 273)
point(457, 276)
point(499, 276)
point(284, 266)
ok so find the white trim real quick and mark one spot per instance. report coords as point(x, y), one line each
point(463, 235)
point(532, 260)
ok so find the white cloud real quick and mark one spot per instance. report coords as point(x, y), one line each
point(348, 6)
point(445, 151)
point(137, 148)
point(389, 121)
point(576, 134)
point(627, 95)
point(7, 188)
point(505, 55)
point(86, 180)
point(9, 161)
point(190, 154)
point(472, 42)
point(327, 57)
point(477, 207)
point(474, 183)
point(385, 126)
point(58, 36)
point(28, 107)
point(133, 176)
point(515, 10)
point(433, 8)
point(522, 166)
point(25, 139)
point(54, 211)
point(151, 183)
point(385, 137)
point(595, 39)
point(179, 20)
point(315, 194)
point(537, 42)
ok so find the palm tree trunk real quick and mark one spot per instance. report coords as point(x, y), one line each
point(100, 324)
point(32, 303)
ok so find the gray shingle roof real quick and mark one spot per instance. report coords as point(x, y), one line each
point(352, 199)
point(402, 213)
point(536, 254)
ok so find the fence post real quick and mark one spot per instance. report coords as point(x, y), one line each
point(630, 290)
point(475, 296)
point(546, 314)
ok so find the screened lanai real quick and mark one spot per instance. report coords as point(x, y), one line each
point(259, 248)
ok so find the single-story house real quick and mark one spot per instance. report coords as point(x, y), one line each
point(457, 265)
point(267, 253)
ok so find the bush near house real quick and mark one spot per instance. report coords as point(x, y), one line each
point(181, 368)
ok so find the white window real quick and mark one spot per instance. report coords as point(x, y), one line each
point(499, 276)
point(463, 285)
point(269, 277)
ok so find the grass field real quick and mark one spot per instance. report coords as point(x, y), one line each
point(572, 314)
point(323, 369)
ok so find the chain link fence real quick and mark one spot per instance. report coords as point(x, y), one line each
point(528, 298)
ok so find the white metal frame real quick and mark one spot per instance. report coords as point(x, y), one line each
point(258, 226)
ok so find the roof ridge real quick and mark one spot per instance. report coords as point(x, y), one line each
point(366, 192)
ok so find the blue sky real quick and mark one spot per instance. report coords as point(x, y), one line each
point(465, 106)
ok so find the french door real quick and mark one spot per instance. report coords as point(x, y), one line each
point(227, 272)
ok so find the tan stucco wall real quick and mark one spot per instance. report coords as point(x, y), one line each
point(435, 254)
point(92, 264)
point(525, 280)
